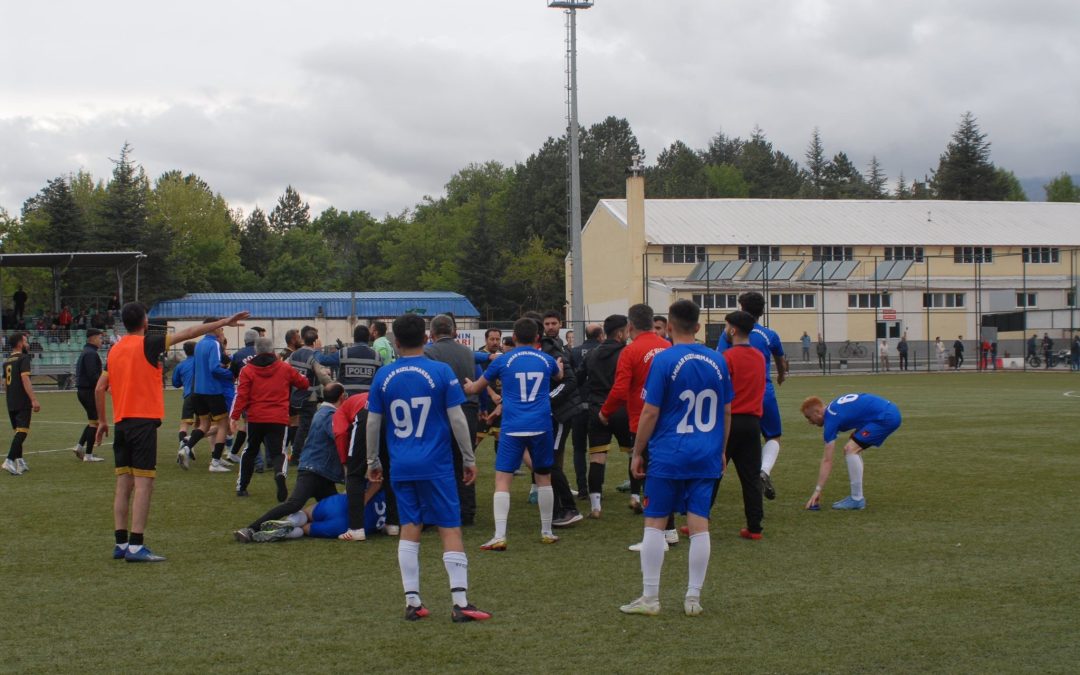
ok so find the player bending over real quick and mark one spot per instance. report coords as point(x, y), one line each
point(421, 399)
point(684, 424)
point(871, 419)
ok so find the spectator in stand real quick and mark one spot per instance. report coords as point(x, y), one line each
point(902, 350)
point(98, 321)
point(64, 320)
point(958, 352)
point(114, 303)
point(19, 302)
point(82, 320)
point(805, 341)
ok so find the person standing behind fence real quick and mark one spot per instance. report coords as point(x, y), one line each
point(1074, 352)
point(1048, 350)
point(902, 350)
point(87, 371)
point(939, 349)
point(822, 352)
point(958, 352)
point(883, 353)
point(805, 340)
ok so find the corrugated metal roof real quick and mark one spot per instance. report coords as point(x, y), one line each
point(817, 222)
point(336, 304)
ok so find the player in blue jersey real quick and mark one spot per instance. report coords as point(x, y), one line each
point(766, 341)
point(422, 401)
point(684, 425)
point(326, 519)
point(526, 374)
point(870, 419)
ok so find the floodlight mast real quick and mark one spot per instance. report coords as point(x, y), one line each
point(577, 287)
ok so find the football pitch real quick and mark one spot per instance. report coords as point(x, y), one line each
point(967, 559)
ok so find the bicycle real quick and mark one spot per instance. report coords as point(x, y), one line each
point(852, 349)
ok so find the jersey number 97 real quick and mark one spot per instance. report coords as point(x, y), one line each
point(410, 418)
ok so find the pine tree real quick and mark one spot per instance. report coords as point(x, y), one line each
point(816, 165)
point(965, 171)
point(876, 180)
point(256, 245)
point(1062, 189)
point(842, 180)
point(902, 190)
point(290, 213)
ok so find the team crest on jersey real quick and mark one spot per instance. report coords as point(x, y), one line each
point(651, 353)
point(866, 433)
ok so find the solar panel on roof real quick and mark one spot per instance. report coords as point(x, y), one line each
point(892, 270)
point(833, 270)
point(717, 270)
point(782, 271)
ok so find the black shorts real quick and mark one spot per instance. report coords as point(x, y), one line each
point(135, 446)
point(20, 419)
point(210, 405)
point(294, 412)
point(187, 412)
point(618, 427)
point(86, 399)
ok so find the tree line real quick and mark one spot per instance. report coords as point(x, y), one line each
point(498, 234)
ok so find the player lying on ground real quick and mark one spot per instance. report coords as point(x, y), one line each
point(870, 418)
point(327, 519)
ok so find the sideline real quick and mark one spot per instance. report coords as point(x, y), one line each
point(67, 449)
point(1071, 394)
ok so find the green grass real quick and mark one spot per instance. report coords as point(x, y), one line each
point(966, 560)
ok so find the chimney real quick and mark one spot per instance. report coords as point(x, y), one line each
point(635, 229)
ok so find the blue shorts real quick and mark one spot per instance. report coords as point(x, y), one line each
point(428, 502)
point(664, 496)
point(770, 415)
point(874, 434)
point(330, 517)
point(512, 448)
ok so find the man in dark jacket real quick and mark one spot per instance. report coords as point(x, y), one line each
point(320, 468)
point(594, 334)
point(600, 365)
point(87, 372)
point(445, 349)
point(565, 404)
point(358, 363)
point(263, 395)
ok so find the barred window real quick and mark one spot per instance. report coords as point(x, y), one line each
point(943, 300)
point(756, 253)
point(973, 254)
point(832, 253)
point(792, 300)
point(1042, 254)
point(869, 300)
point(684, 254)
point(904, 253)
point(716, 300)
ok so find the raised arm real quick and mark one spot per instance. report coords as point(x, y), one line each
point(201, 329)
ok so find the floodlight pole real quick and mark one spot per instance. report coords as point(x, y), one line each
point(577, 288)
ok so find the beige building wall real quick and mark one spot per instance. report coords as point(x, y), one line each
point(608, 266)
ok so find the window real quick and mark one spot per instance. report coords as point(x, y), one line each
point(684, 254)
point(869, 300)
point(973, 254)
point(832, 253)
point(1070, 298)
point(716, 300)
point(756, 253)
point(904, 253)
point(943, 300)
point(791, 300)
point(1042, 254)
point(1027, 299)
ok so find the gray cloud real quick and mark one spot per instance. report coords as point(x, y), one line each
point(371, 107)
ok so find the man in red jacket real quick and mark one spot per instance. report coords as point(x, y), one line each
point(630, 375)
point(263, 393)
point(350, 429)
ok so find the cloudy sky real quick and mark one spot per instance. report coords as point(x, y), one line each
point(371, 105)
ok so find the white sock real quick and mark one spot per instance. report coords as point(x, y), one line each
point(457, 568)
point(652, 560)
point(532, 489)
point(298, 519)
point(134, 548)
point(594, 500)
point(501, 504)
point(700, 549)
point(854, 469)
point(408, 555)
point(546, 497)
point(769, 452)
point(295, 533)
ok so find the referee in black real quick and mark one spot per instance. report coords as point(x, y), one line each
point(87, 372)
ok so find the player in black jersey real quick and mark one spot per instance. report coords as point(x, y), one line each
point(21, 401)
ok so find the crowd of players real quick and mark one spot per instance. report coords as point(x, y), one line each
point(398, 423)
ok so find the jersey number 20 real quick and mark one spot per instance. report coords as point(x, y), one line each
point(402, 417)
point(701, 408)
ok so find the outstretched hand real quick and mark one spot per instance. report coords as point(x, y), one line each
point(235, 319)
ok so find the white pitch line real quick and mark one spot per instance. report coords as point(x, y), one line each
point(67, 449)
point(1071, 394)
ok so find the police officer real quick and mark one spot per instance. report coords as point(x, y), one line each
point(310, 362)
point(358, 363)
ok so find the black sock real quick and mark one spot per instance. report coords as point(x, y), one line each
point(121, 536)
point(136, 539)
point(291, 436)
point(238, 442)
point(596, 477)
point(82, 438)
point(671, 522)
point(15, 452)
point(183, 435)
point(195, 437)
point(90, 433)
point(219, 448)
